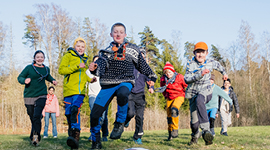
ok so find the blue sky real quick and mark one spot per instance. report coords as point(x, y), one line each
point(214, 22)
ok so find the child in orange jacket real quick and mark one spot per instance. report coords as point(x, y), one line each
point(174, 86)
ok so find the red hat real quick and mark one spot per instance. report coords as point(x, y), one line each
point(169, 66)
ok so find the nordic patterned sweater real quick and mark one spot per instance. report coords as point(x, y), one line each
point(198, 84)
point(113, 71)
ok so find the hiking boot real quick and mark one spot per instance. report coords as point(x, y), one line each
point(73, 139)
point(104, 139)
point(35, 141)
point(117, 131)
point(126, 125)
point(96, 145)
point(224, 133)
point(138, 141)
point(193, 140)
point(174, 133)
point(213, 131)
point(208, 137)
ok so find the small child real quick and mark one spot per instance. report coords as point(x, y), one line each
point(51, 109)
point(93, 90)
point(199, 91)
point(115, 67)
point(225, 109)
point(174, 94)
point(73, 68)
point(212, 105)
point(136, 102)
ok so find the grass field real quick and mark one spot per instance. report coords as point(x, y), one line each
point(255, 137)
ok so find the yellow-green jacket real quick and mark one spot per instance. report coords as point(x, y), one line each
point(75, 77)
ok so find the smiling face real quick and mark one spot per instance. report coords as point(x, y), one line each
point(80, 47)
point(227, 84)
point(118, 34)
point(39, 59)
point(200, 55)
point(168, 73)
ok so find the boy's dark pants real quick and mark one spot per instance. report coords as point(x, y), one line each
point(35, 115)
point(136, 105)
point(198, 114)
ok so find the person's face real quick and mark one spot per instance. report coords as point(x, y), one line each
point(169, 73)
point(95, 59)
point(51, 91)
point(227, 84)
point(39, 58)
point(200, 55)
point(118, 34)
point(80, 47)
point(212, 81)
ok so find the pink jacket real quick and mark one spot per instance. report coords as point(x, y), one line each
point(52, 105)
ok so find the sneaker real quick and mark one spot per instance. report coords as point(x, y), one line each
point(35, 140)
point(96, 145)
point(193, 140)
point(208, 137)
point(126, 125)
point(138, 141)
point(174, 133)
point(117, 131)
point(90, 138)
point(224, 133)
point(45, 137)
point(55, 137)
point(104, 139)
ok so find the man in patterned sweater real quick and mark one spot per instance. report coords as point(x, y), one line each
point(115, 68)
point(199, 91)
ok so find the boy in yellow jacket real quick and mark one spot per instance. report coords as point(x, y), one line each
point(73, 67)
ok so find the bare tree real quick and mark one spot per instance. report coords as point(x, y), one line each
point(266, 45)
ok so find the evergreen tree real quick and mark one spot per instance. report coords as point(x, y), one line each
point(216, 55)
point(31, 34)
point(149, 42)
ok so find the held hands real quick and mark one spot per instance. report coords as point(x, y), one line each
point(150, 83)
point(225, 77)
point(54, 82)
point(82, 65)
point(27, 80)
point(93, 80)
point(237, 115)
point(216, 115)
point(92, 66)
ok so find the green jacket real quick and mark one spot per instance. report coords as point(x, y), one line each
point(75, 77)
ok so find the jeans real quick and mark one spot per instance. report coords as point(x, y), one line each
point(47, 117)
point(103, 118)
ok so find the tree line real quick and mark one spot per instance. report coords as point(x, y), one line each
point(53, 30)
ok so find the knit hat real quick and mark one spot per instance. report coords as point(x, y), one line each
point(212, 77)
point(200, 45)
point(168, 65)
point(78, 39)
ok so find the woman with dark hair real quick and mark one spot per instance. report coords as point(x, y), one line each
point(33, 77)
point(51, 109)
point(225, 109)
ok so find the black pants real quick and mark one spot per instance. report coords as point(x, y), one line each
point(35, 115)
point(136, 105)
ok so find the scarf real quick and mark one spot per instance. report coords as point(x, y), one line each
point(42, 76)
point(81, 57)
point(171, 80)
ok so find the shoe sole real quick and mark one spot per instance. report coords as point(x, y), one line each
point(72, 143)
point(208, 138)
